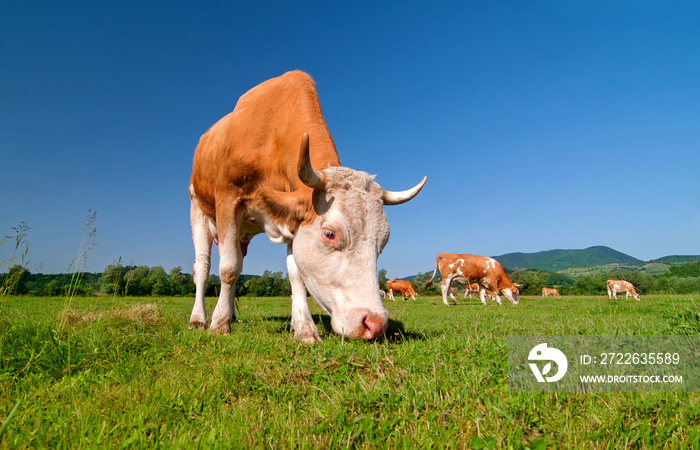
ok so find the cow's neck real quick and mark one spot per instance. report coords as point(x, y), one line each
point(279, 214)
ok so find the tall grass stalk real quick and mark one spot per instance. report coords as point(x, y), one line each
point(11, 282)
point(79, 263)
point(9, 418)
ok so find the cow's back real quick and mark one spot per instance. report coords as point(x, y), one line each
point(472, 267)
point(257, 144)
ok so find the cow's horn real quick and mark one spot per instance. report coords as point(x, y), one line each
point(310, 177)
point(396, 198)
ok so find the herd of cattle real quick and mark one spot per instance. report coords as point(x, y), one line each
point(271, 166)
point(486, 276)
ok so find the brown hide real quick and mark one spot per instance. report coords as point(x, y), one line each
point(550, 292)
point(248, 159)
point(623, 286)
point(402, 287)
point(474, 268)
point(474, 287)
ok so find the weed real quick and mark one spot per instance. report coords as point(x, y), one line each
point(78, 265)
point(14, 276)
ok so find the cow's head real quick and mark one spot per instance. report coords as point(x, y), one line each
point(512, 294)
point(337, 252)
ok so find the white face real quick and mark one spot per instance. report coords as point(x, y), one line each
point(511, 296)
point(337, 253)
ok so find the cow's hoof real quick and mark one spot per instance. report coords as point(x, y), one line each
point(307, 339)
point(306, 335)
point(305, 332)
point(196, 325)
point(223, 328)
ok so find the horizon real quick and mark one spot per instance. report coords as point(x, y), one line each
point(538, 125)
point(243, 273)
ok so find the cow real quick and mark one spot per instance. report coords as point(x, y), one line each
point(471, 288)
point(465, 269)
point(271, 166)
point(615, 286)
point(400, 286)
point(546, 292)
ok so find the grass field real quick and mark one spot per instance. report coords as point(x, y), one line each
point(123, 372)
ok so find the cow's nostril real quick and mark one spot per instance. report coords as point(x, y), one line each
point(374, 326)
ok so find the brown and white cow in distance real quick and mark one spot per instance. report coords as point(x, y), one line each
point(547, 292)
point(271, 166)
point(470, 289)
point(403, 287)
point(465, 269)
point(616, 286)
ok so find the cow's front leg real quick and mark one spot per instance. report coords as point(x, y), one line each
point(454, 300)
point(230, 265)
point(496, 297)
point(303, 324)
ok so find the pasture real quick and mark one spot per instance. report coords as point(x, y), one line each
point(126, 372)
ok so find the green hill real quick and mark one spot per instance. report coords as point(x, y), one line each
point(591, 260)
point(675, 260)
point(561, 260)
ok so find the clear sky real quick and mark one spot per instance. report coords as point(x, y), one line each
point(540, 124)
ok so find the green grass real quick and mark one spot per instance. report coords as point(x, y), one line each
point(116, 373)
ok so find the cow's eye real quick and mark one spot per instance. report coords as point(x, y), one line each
point(329, 236)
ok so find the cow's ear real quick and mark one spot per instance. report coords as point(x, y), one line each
point(287, 208)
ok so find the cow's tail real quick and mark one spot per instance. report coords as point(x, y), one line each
point(430, 281)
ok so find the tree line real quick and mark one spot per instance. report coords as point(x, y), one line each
point(681, 279)
point(132, 280)
point(143, 281)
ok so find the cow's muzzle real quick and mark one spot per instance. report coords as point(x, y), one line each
point(373, 326)
point(361, 324)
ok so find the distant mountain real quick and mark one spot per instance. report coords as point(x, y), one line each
point(674, 260)
point(560, 260)
point(590, 260)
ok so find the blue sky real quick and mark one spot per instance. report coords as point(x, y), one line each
point(540, 124)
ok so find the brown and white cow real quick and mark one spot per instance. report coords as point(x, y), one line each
point(402, 287)
point(465, 269)
point(615, 286)
point(547, 292)
point(251, 175)
point(470, 289)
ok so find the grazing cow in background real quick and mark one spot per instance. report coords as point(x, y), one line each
point(271, 166)
point(468, 290)
point(400, 286)
point(546, 292)
point(471, 288)
point(615, 286)
point(465, 269)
